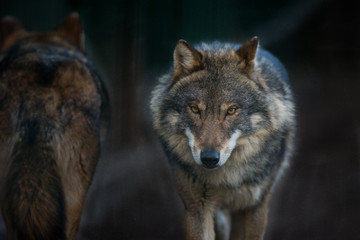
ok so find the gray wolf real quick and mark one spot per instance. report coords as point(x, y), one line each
point(53, 110)
point(225, 117)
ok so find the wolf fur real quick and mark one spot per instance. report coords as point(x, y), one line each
point(53, 109)
point(225, 118)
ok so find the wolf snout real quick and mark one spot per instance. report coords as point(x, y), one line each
point(210, 158)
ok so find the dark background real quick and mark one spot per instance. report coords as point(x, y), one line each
point(132, 42)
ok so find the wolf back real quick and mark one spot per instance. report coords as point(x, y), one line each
point(225, 117)
point(53, 109)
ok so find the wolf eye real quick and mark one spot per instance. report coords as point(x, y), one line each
point(194, 108)
point(231, 111)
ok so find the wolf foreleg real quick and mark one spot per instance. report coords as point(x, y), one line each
point(199, 225)
point(250, 224)
point(200, 204)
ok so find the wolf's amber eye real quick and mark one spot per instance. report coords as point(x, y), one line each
point(231, 111)
point(194, 108)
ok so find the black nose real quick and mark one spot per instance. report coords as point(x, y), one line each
point(210, 158)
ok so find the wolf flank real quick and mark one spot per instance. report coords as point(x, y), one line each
point(225, 117)
point(53, 106)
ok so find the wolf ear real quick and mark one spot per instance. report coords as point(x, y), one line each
point(186, 59)
point(71, 29)
point(9, 28)
point(247, 54)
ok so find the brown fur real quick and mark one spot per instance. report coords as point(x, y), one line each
point(52, 108)
point(249, 222)
point(11, 31)
point(187, 60)
point(247, 53)
point(201, 201)
point(225, 117)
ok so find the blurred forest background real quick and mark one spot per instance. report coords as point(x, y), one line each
point(131, 43)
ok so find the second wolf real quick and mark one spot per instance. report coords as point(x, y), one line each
point(225, 117)
point(52, 106)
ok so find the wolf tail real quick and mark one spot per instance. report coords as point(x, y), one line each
point(34, 205)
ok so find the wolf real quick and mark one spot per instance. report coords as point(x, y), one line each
point(225, 116)
point(53, 113)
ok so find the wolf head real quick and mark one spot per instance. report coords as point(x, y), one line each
point(69, 31)
point(212, 102)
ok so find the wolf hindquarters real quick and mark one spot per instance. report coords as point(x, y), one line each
point(225, 118)
point(53, 105)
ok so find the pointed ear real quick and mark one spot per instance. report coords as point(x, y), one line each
point(71, 29)
point(247, 54)
point(186, 59)
point(10, 28)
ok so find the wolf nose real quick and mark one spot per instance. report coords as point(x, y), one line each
point(210, 158)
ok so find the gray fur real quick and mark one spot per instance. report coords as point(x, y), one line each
point(265, 119)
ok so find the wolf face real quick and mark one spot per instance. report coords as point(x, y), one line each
point(214, 118)
point(215, 100)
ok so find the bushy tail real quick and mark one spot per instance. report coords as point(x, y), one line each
point(34, 205)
